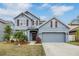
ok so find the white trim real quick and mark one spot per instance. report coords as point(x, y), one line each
point(53, 19)
point(28, 34)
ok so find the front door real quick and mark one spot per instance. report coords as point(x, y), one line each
point(34, 34)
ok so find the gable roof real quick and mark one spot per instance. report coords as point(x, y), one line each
point(6, 22)
point(3, 21)
point(27, 12)
point(52, 19)
point(74, 29)
point(23, 14)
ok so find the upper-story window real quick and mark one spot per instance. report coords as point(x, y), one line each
point(32, 22)
point(18, 22)
point(51, 24)
point(27, 22)
point(21, 24)
point(36, 22)
point(56, 24)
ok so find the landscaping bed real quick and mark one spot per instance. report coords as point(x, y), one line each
point(9, 49)
point(74, 43)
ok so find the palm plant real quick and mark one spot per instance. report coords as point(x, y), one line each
point(20, 36)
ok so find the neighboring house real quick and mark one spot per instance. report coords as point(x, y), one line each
point(73, 27)
point(3, 23)
point(49, 31)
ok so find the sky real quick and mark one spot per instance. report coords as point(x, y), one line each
point(65, 12)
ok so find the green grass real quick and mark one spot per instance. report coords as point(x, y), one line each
point(74, 43)
point(23, 50)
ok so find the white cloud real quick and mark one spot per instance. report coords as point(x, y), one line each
point(18, 6)
point(13, 9)
point(43, 6)
point(60, 10)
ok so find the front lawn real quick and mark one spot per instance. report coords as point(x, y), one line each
point(8, 49)
point(74, 43)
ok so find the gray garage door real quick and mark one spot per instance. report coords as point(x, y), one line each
point(53, 37)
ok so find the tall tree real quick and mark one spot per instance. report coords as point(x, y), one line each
point(8, 32)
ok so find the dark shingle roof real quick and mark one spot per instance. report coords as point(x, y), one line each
point(75, 21)
point(27, 12)
point(3, 21)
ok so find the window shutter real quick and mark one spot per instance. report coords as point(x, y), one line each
point(27, 22)
point(56, 25)
point(36, 22)
point(51, 24)
point(18, 22)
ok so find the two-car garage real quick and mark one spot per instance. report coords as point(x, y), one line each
point(53, 31)
point(53, 37)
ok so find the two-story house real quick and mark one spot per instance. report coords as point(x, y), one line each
point(27, 23)
point(49, 31)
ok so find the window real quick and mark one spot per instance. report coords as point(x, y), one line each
point(56, 24)
point(27, 22)
point(21, 24)
point(36, 22)
point(32, 22)
point(18, 22)
point(51, 24)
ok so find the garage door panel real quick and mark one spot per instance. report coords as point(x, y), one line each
point(53, 37)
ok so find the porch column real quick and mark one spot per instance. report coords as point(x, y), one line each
point(28, 35)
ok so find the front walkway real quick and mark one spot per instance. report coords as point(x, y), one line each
point(33, 43)
point(60, 49)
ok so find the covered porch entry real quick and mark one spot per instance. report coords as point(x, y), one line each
point(33, 33)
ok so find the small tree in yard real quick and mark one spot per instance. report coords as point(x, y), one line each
point(20, 37)
point(77, 34)
point(8, 32)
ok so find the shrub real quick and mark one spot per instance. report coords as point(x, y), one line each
point(20, 37)
point(38, 40)
point(25, 37)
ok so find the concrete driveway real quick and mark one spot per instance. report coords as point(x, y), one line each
point(60, 49)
